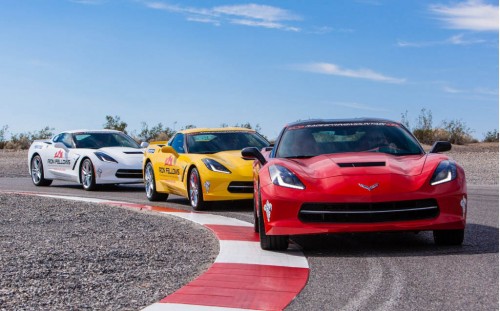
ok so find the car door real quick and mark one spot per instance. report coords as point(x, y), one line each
point(171, 165)
point(63, 158)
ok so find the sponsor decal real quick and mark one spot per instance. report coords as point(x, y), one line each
point(320, 125)
point(369, 188)
point(463, 204)
point(170, 161)
point(169, 170)
point(59, 161)
point(268, 208)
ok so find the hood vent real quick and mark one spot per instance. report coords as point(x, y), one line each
point(133, 152)
point(361, 164)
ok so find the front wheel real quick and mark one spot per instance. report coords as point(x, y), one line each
point(195, 191)
point(150, 185)
point(87, 175)
point(37, 175)
point(448, 237)
point(270, 242)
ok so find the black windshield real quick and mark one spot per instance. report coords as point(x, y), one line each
point(317, 139)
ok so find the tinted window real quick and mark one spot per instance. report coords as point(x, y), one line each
point(316, 139)
point(65, 139)
point(212, 142)
point(178, 143)
point(96, 140)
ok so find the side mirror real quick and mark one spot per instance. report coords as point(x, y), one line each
point(169, 149)
point(61, 146)
point(440, 146)
point(144, 144)
point(252, 153)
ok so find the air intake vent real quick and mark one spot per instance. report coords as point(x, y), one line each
point(361, 164)
point(133, 152)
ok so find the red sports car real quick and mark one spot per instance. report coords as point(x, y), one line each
point(357, 175)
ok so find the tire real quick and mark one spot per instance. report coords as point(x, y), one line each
point(37, 174)
point(448, 237)
point(150, 185)
point(270, 242)
point(87, 175)
point(195, 192)
point(256, 207)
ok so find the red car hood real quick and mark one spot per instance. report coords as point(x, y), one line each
point(360, 163)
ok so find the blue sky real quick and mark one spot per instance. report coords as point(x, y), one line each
point(69, 63)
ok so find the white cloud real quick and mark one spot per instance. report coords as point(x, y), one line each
point(459, 39)
point(469, 15)
point(257, 12)
point(333, 69)
point(254, 15)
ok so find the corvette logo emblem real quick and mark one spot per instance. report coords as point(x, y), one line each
point(369, 188)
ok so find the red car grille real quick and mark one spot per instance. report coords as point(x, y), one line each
point(369, 212)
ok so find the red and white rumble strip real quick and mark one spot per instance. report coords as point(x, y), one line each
point(243, 276)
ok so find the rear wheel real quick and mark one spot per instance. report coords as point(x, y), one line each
point(269, 242)
point(150, 185)
point(449, 237)
point(195, 191)
point(37, 175)
point(87, 175)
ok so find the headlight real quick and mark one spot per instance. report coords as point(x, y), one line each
point(446, 171)
point(282, 176)
point(215, 166)
point(104, 157)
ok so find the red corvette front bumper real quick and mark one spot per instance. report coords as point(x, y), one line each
point(346, 211)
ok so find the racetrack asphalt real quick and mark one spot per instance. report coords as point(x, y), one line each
point(384, 271)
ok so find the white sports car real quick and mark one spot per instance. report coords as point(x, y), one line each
point(87, 157)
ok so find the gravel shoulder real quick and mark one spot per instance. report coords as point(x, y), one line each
point(57, 255)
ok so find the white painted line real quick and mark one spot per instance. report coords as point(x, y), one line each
point(209, 219)
point(250, 253)
point(80, 199)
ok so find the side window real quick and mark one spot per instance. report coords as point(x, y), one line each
point(178, 143)
point(64, 138)
point(68, 140)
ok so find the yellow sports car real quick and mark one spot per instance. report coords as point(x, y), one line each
point(202, 164)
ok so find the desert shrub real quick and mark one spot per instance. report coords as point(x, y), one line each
point(24, 140)
point(114, 123)
point(459, 132)
point(3, 134)
point(424, 131)
point(157, 133)
point(491, 136)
